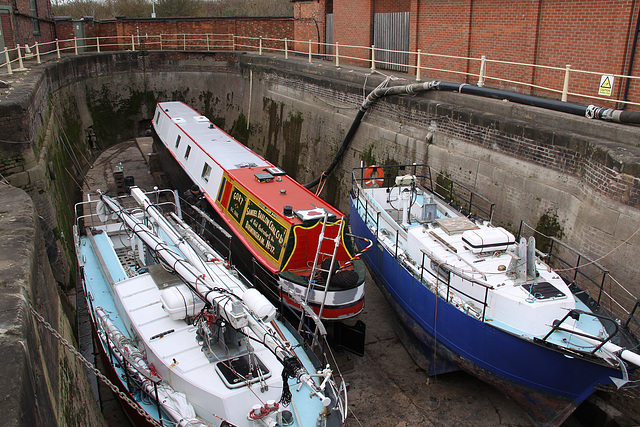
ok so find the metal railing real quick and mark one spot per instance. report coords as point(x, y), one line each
point(588, 279)
point(437, 278)
point(469, 69)
point(457, 195)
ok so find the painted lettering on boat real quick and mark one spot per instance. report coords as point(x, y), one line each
point(268, 233)
point(237, 204)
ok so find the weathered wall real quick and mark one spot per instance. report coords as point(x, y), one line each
point(41, 382)
point(528, 160)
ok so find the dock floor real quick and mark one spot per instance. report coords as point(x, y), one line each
point(387, 387)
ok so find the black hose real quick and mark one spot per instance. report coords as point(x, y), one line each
point(550, 104)
point(345, 143)
point(371, 98)
point(590, 111)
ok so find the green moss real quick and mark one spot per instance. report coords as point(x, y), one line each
point(114, 118)
point(548, 226)
point(219, 121)
point(291, 133)
point(239, 130)
point(443, 185)
point(367, 157)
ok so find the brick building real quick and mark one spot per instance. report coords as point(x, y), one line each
point(591, 36)
point(25, 22)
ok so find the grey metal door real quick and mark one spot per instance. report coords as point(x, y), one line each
point(78, 32)
point(1, 38)
point(391, 32)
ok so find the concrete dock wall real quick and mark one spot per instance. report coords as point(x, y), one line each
point(42, 384)
point(533, 163)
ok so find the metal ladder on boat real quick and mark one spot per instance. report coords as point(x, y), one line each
point(317, 270)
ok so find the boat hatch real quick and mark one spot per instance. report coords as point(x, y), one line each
point(275, 171)
point(263, 177)
point(314, 214)
point(455, 225)
point(201, 119)
point(241, 370)
point(245, 165)
point(179, 120)
point(543, 290)
point(488, 240)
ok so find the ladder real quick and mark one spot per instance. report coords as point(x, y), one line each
point(317, 269)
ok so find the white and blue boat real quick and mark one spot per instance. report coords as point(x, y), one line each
point(182, 335)
point(476, 298)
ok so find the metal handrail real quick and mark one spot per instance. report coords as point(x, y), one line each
point(355, 53)
point(576, 274)
point(574, 314)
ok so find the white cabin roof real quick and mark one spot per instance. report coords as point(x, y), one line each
point(229, 153)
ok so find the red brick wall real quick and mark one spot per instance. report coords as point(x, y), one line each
point(310, 24)
point(594, 36)
point(391, 6)
point(199, 32)
point(17, 26)
point(442, 28)
point(352, 26)
point(7, 31)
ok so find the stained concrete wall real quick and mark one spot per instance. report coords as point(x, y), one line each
point(529, 161)
point(42, 384)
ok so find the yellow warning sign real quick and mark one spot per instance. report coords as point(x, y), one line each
point(606, 85)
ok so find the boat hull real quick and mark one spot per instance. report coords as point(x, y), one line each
point(547, 383)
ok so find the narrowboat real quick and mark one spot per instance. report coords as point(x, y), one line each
point(289, 237)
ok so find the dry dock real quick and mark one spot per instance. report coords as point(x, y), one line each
point(387, 388)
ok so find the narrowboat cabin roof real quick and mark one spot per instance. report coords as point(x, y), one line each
point(266, 182)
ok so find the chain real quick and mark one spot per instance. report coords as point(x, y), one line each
point(92, 368)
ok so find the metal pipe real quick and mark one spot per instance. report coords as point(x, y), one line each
point(590, 111)
point(631, 58)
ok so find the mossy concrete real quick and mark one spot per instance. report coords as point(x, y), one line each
point(41, 383)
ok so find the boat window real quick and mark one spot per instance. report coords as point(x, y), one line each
point(206, 171)
point(178, 141)
point(186, 153)
point(157, 117)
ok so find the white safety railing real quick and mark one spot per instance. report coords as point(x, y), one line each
point(483, 71)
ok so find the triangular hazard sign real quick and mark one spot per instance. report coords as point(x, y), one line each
point(606, 83)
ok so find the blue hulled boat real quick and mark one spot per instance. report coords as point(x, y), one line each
point(476, 298)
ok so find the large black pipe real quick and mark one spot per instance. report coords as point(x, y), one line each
point(551, 104)
point(590, 111)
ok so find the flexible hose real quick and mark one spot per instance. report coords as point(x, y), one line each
point(590, 111)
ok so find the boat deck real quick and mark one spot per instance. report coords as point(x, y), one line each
point(512, 305)
point(386, 384)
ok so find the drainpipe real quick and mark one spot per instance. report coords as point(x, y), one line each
point(373, 22)
point(631, 58)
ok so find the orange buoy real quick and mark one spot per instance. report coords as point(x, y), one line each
point(377, 173)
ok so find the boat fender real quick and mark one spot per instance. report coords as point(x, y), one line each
point(259, 305)
point(378, 177)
